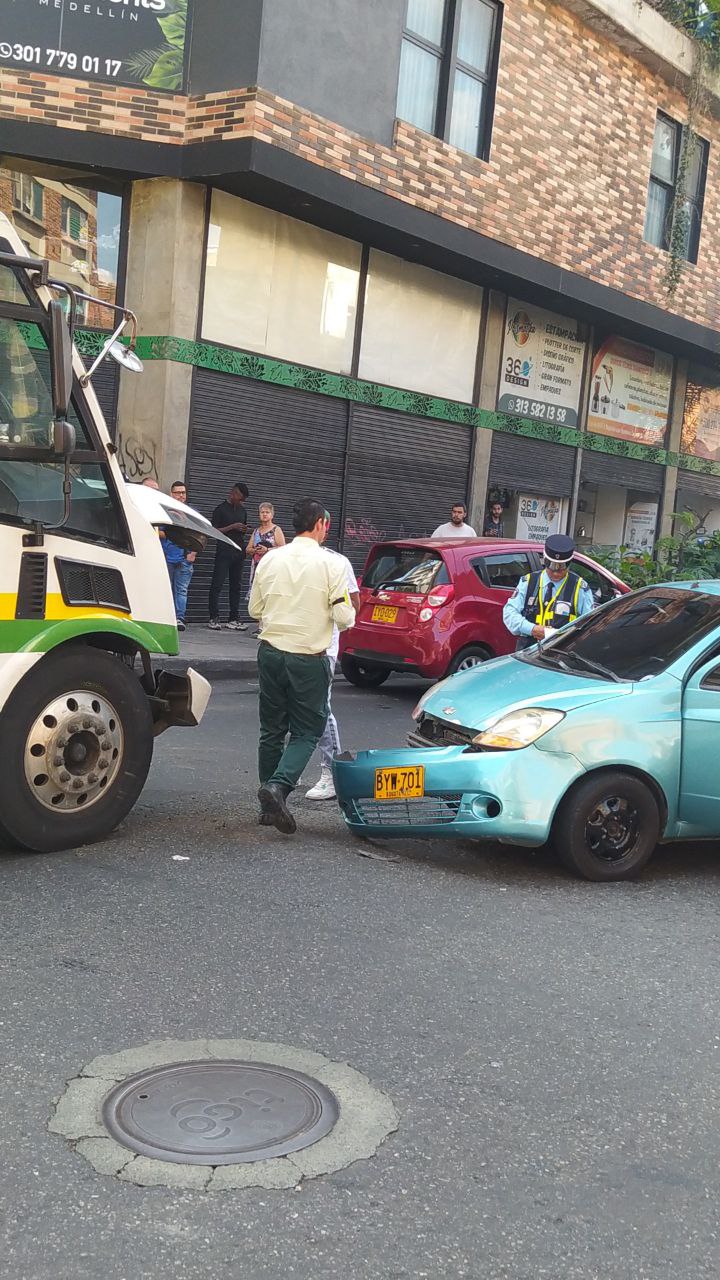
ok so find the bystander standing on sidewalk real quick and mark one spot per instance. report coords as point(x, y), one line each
point(180, 563)
point(494, 526)
point(264, 538)
point(456, 526)
point(230, 517)
point(299, 593)
point(330, 744)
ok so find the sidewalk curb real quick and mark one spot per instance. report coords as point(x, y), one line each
point(213, 668)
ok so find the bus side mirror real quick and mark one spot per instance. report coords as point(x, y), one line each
point(60, 363)
point(64, 440)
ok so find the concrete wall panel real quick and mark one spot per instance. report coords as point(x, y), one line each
point(339, 58)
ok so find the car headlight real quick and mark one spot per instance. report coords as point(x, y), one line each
point(519, 728)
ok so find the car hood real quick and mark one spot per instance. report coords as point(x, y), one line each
point(477, 698)
point(181, 523)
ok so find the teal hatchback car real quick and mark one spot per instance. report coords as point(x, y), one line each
point(604, 740)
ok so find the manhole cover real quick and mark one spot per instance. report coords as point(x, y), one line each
point(219, 1112)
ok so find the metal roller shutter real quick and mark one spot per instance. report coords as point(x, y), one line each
point(627, 473)
point(696, 482)
point(284, 444)
point(403, 475)
point(533, 466)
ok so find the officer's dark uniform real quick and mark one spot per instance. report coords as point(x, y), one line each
point(538, 601)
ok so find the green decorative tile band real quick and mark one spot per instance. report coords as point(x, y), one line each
point(206, 355)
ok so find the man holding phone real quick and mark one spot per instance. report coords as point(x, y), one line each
point(230, 518)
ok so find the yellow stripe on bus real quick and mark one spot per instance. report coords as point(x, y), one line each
point(56, 610)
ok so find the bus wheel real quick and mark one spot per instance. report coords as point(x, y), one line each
point(76, 740)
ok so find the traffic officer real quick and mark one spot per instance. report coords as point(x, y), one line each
point(550, 598)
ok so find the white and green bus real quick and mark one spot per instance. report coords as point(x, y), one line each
point(85, 601)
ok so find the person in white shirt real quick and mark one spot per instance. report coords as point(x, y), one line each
point(298, 594)
point(329, 744)
point(457, 528)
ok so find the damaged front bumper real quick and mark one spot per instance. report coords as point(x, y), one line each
point(178, 700)
point(509, 796)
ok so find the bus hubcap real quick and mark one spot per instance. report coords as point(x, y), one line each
point(73, 751)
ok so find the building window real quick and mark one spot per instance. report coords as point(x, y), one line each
point(420, 328)
point(447, 70)
point(279, 286)
point(662, 189)
point(72, 224)
point(27, 196)
point(74, 221)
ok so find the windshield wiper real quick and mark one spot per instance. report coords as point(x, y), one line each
point(594, 666)
point(551, 657)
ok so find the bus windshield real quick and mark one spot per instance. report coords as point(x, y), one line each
point(26, 411)
point(31, 490)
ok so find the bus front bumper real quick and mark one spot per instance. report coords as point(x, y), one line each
point(180, 700)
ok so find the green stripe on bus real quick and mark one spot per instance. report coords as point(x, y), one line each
point(32, 636)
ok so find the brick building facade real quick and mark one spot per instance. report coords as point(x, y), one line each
point(260, 149)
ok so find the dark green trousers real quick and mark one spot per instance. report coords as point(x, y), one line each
point(294, 701)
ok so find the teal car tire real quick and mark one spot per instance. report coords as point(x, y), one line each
point(607, 827)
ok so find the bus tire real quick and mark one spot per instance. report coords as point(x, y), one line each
point(76, 741)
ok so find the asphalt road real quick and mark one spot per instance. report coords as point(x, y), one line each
point(552, 1047)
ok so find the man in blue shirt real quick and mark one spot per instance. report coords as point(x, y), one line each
point(181, 564)
point(550, 598)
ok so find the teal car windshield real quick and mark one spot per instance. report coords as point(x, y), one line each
point(634, 637)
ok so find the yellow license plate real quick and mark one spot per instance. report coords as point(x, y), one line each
point(382, 613)
point(400, 784)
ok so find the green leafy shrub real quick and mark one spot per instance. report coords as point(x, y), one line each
point(687, 556)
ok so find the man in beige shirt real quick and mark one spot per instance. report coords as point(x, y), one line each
point(298, 594)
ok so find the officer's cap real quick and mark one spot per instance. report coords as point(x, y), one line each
point(559, 547)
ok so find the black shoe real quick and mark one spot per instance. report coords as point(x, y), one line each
point(181, 625)
point(272, 802)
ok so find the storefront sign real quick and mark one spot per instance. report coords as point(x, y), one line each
point(538, 517)
point(640, 526)
point(124, 41)
point(630, 392)
point(701, 419)
point(542, 365)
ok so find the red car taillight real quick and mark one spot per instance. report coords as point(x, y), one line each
point(441, 595)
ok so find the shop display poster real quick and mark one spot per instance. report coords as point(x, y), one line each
point(542, 365)
point(538, 517)
point(630, 392)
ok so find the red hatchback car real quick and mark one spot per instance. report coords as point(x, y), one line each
point(434, 607)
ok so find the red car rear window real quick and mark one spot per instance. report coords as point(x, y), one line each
point(413, 569)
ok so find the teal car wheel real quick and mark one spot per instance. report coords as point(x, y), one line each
point(607, 826)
